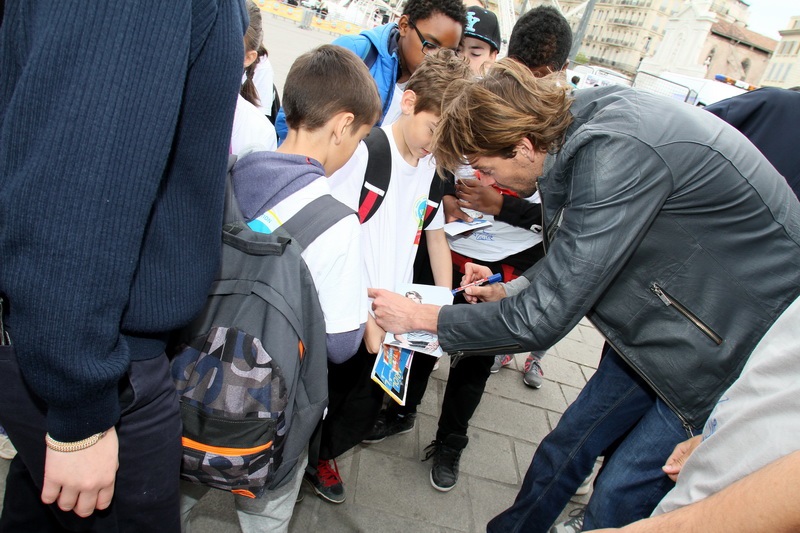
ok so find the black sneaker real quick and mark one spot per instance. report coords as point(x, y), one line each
point(327, 483)
point(388, 425)
point(446, 455)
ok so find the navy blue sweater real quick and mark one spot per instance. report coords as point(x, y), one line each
point(115, 122)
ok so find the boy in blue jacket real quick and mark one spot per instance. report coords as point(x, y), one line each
point(393, 52)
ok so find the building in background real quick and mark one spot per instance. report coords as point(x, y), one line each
point(784, 67)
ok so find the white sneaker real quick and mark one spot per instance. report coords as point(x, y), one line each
point(587, 484)
point(7, 450)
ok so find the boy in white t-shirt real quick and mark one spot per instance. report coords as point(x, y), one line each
point(389, 241)
point(271, 187)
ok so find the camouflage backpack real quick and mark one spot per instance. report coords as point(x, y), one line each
point(251, 370)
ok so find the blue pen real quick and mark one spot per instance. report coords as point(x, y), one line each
point(494, 278)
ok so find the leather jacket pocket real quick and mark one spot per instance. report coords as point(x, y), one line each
point(668, 301)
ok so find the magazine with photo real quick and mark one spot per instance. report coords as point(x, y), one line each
point(391, 370)
point(420, 341)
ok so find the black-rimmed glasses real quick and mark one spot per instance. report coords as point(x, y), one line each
point(427, 46)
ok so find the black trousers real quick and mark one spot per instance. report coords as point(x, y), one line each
point(147, 489)
point(354, 401)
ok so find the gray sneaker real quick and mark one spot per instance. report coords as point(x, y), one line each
point(533, 373)
point(573, 525)
point(500, 361)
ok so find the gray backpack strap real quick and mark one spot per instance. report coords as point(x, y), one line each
point(232, 213)
point(316, 218)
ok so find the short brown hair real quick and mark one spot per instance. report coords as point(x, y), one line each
point(326, 81)
point(489, 117)
point(434, 75)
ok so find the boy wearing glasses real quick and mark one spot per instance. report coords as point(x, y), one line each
point(393, 52)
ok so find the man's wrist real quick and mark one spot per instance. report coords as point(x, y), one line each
point(66, 447)
point(426, 318)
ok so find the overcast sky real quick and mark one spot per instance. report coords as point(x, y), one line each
point(769, 16)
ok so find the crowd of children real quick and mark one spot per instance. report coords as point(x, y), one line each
point(390, 83)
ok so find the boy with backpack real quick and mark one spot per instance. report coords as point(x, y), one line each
point(393, 52)
point(272, 191)
point(390, 236)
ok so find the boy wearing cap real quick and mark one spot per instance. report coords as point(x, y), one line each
point(481, 41)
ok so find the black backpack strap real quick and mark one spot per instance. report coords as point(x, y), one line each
point(435, 195)
point(377, 175)
point(315, 218)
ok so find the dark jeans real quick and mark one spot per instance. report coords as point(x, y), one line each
point(146, 491)
point(614, 403)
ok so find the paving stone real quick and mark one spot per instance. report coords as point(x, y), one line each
point(489, 456)
point(488, 500)
point(591, 337)
point(588, 372)
point(432, 400)
point(570, 393)
point(402, 486)
point(355, 518)
point(563, 371)
point(577, 352)
point(524, 453)
point(511, 418)
point(508, 384)
point(553, 418)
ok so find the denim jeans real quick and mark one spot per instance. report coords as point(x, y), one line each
point(616, 407)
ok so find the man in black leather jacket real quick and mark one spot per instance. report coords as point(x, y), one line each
point(665, 227)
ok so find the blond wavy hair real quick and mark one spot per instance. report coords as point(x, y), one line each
point(491, 116)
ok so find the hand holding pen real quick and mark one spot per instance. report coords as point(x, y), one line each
point(478, 290)
point(494, 278)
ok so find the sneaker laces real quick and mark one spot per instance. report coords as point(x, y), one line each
point(576, 518)
point(533, 364)
point(442, 453)
point(327, 475)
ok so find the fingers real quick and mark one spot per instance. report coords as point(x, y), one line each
point(374, 293)
point(50, 492)
point(485, 293)
point(679, 456)
point(473, 272)
point(452, 211)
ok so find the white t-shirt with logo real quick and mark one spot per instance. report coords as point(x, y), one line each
point(391, 237)
point(498, 241)
point(334, 259)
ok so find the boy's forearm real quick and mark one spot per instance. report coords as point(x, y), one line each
point(439, 254)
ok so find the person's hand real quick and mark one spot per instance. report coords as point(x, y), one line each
point(679, 456)
point(475, 195)
point(373, 335)
point(82, 481)
point(452, 210)
point(397, 314)
point(483, 293)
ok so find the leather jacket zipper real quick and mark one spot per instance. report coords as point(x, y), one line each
point(691, 317)
point(494, 350)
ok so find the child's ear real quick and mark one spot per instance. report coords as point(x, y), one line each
point(341, 125)
point(407, 102)
point(402, 25)
point(250, 57)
